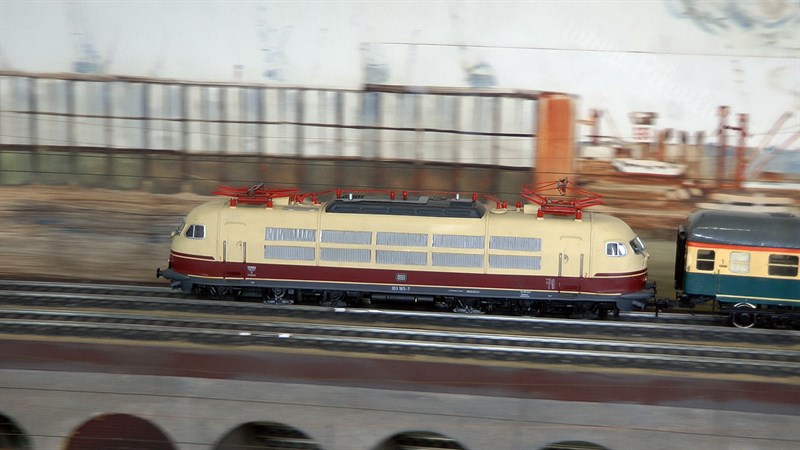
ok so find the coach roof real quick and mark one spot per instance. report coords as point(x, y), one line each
point(777, 230)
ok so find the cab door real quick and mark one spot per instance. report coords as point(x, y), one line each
point(570, 263)
point(234, 249)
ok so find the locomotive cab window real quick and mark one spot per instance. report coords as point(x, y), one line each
point(783, 265)
point(616, 249)
point(196, 231)
point(705, 259)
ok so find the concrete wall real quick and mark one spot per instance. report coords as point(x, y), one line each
point(195, 413)
point(172, 172)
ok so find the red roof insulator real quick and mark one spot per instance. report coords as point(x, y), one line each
point(391, 195)
point(405, 195)
point(474, 197)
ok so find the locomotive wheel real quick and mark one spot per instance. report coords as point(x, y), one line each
point(277, 296)
point(524, 306)
point(583, 310)
point(217, 292)
point(744, 315)
point(334, 298)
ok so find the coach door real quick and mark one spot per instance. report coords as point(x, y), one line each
point(570, 264)
point(234, 250)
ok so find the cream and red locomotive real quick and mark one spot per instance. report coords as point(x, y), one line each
point(454, 252)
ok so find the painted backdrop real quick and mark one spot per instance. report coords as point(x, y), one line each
point(679, 59)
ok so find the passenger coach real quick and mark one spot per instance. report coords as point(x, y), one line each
point(747, 262)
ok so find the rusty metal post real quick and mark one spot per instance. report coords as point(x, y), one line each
point(740, 150)
point(661, 142)
point(555, 147)
point(595, 118)
point(684, 147)
point(722, 132)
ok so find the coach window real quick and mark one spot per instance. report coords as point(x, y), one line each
point(616, 249)
point(740, 262)
point(196, 231)
point(705, 259)
point(783, 265)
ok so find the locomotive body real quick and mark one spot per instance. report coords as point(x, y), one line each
point(746, 262)
point(446, 250)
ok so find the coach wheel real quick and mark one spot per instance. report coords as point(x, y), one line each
point(744, 315)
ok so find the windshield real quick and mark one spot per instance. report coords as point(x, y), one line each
point(637, 245)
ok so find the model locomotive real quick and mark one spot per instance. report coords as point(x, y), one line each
point(444, 249)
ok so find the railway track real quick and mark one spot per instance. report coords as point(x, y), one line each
point(404, 341)
point(607, 344)
point(687, 328)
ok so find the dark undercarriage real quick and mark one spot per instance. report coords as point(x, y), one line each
point(579, 305)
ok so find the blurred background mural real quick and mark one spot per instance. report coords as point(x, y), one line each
point(663, 106)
